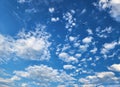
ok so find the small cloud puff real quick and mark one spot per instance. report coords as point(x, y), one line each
point(115, 67)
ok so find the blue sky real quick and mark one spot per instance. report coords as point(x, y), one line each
point(59, 43)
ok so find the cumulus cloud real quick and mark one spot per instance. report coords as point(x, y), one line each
point(87, 40)
point(113, 5)
point(33, 45)
point(108, 46)
point(115, 67)
point(68, 67)
point(44, 75)
point(100, 78)
point(71, 38)
point(94, 50)
point(67, 58)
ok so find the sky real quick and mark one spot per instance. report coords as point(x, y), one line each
point(59, 43)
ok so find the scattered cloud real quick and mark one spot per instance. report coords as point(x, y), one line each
point(51, 10)
point(89, 31)
point(108, 46)
point(87, 40)
point(67, 58)
point(103, 33)
point(55, 19)
point(68, 67)
point(94, 50)
point(44, 75)
point(33, 45)
point(71, 38)
point(70, 20)
point(113, 5)
point(101, 78)
point(115, 67)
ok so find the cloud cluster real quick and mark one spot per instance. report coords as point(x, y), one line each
point(113, 5)
point(44, 76)
point(70, 20)
point(33, 45)
point(101, 78)
point(67, 58)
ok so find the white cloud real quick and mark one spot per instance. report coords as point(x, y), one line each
point(113, 5)
point(71, 38)
point(78, 55)
point(23, 1)
point(68, 67)
point(94, 50)
point(83, 11)
point(108, 46)
point(44, 75)
point(70, 20)
point(53, 19)
point(83, 47)
point(61, 86)
point(87, 40)
point(115, 67)
point(8, 82)
point(5, 48)
point(24, 85)
point(67, 58)
point(89, 31)
point(51, 10)
point(33, 45)
point(103, 33)
point(100, 78)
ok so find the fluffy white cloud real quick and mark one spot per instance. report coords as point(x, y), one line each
point(71, 38)
point(89, 31)
point(100, 78)
point(115, 67)
point(87, 40)
point(44, 75)
point(113, 5)
point(67, 58)
point(33, 45)
point(51, 10)
point(53, 19)
point(108, 46)
point(69, 67)
point(94, 50)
